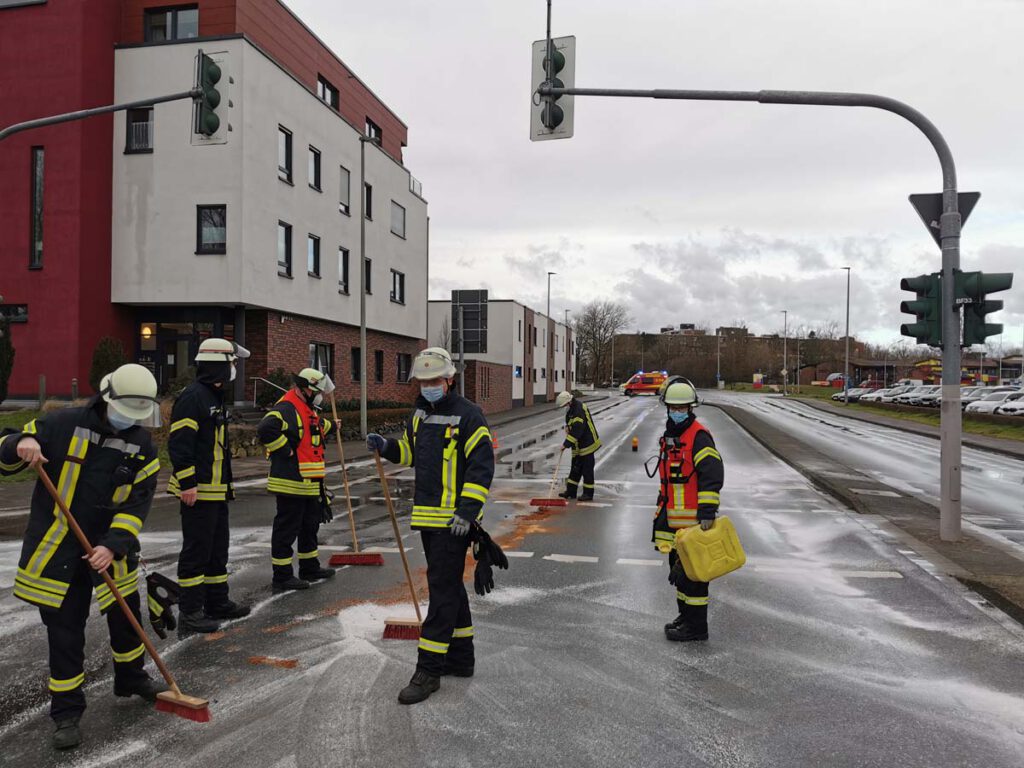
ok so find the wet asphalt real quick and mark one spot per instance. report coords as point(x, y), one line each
point(833, 646)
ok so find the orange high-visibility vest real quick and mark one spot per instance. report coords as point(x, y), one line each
point(310, 451)
point(679, 478)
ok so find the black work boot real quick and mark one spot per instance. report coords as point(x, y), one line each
point(585, 496)
point(67, 734)
point(227, 610)
point(290, 584)
point(457, 670)
point(144, 687)
point(675, 623)
point(419, 688)
point(567, 494)
point(694, 625)
point(197, 622)
point(318, 574)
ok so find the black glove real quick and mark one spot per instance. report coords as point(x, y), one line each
point(483, 578)
point(676, 573)
point(486, 550)
point(161, 594)
point(326, 497)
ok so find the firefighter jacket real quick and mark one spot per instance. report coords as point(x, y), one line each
point(198, 444)
point(580, 432)
point(449, 444)
point(691, 475)
point(293, 434)
point(107, 479)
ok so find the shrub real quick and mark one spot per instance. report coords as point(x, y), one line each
point(107, 357)
point(176, 385)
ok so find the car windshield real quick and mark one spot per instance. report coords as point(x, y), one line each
point(996, 396)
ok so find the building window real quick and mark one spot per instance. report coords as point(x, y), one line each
point(356, 360)
point(284, 154)
point(518, 372)
point(520, 330)
point(178, 23)
point(313, 255)
point(368, 201)
point(397, 287)
point(284, 249)
point(403, 362)
point(374, 132)
point(535, 335)
point(397, 220)
point(344, 193)
point(139, 133)
point(211, 229)
point(543, 373)
point(321, 357)
point(314, 168)
point(326, 92)
point(35, 254)
point(368, 275)
point(343, 270)
point(378, 366)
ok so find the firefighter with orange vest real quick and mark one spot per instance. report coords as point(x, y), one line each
point(294, 434)
point(691, 473)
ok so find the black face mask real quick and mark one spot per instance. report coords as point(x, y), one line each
point(211, 373)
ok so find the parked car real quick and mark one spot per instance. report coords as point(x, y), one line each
point(876, 395)
point(914, 395)
point(978, 393)
point(1014, 407)
point(854, 394)
point(896, 392)
point(990, 402)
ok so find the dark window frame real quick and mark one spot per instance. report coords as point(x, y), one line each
point(368, 275)
point(343, 271)
point(345, 206)
point(368, 201)
point(285, 269)
point(315, 159)
point(129, 146)
point(37, 206)
point(315, 350)
point(285, 172)
point(313, 240)
point(403, 364)
point(378, 366)
point(208, 250)
point(355, 359)
point(325, 88)
point(374, 131)
point(174, 10)
point(398, 297)
point(400, 207)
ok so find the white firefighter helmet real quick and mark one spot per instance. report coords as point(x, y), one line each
point(316, 380)
point(131, 392)
point(563, 399)
point(432, 363)
point(220, 351)
point(678, 391)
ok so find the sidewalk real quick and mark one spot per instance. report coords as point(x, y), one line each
point(994, 572)
point(1012, 448)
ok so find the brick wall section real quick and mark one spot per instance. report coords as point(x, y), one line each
point(286, 344)
point(496, 396)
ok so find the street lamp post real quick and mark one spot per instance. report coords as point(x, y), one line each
point(643, 338)
point(549, 293)
point(785, 337)
point(718, 352)
point(846, 372)
point(362, 279)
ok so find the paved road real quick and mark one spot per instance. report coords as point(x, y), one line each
point(831, 647)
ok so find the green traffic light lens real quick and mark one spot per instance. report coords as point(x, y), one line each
point(559, 62)
point(551, 116)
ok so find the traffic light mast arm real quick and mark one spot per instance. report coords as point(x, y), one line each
point(81, 114)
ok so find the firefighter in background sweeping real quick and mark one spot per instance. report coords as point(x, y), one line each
point(104, 465)
point(448, 442)
point(581, 437)
point(201, 460)
point(294, 434)
point(691, 473)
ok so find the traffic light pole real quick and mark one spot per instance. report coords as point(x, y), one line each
point(949, 227)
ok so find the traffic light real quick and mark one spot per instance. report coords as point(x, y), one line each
point(209, 74)
point(972, 289)
point(552, 116)
point(927, 308)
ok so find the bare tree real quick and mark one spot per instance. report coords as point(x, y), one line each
point(595, 326)
point(444, 336)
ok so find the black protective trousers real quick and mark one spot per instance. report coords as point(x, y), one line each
point(203, 562)
point(447, 634)
point(298, 517)
point(691, 596)
point(65, 634)
point(582, 469)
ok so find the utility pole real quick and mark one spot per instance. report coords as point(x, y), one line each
point(362, 282)
point(785, 336)
point(846, 373)
point(549, 293)
point(718, 352)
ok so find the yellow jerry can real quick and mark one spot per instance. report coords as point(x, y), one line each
point(706, 555)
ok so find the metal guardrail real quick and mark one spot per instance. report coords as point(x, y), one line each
point(256, 380)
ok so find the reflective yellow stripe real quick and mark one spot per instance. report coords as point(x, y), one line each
point(63, 686)
point(148, 471)
point(432, 646)
point(474, 491)
point(121, 494)
point(281, 560)
point(131, 655)
point(154, 607)
point(219, 439)
point(463, 632)
point(39, 582)
point(193, 581)
point(222, 579)
point(66, 485)
point(182, 423)
point(309, 555)
point(704, 453)
point(708, 497)
point(37, 596)
point(474, 440)
point(691, 600)
point(404, 452)
point(127, 522)
point(181, 474)
point(280, 442)
point(31, 428)
point(293, 487)
point(18, 464)
point(311, 469)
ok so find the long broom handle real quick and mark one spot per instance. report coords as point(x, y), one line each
point(344, 474)
point(554, 477)
point(80, 535)
point(398, 535)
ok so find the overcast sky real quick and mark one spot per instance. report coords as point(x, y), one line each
point(699, 212)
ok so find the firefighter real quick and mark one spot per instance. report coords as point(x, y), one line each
point(201, 478)
point(447, 439)
point(691, 474)
point(104, 465)
point(581, 438)
point(293, 432)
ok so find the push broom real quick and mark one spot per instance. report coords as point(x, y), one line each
point(399, 629)
point(173, 701)
point(355, 557)
point(554, 501)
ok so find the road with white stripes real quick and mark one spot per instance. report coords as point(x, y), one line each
point(837, 644)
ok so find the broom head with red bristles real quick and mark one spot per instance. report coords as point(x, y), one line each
point(188, 707)
point(357, 558)
point(542, 503)
point(401, 629)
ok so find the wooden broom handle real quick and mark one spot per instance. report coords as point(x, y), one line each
point(554, 477)
point(89, 550)
point(398, 534)
point(344, 474)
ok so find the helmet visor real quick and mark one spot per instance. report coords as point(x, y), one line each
point(144, 410)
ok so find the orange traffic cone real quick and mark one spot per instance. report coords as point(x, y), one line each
point(636, 444)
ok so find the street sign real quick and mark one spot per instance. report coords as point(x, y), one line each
point(929, 208)
point(784, 372)
point(553, 118)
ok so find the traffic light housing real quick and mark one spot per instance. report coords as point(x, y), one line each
point(551, 117)
point(972, 289)
point(927, 308)
point(208, 75)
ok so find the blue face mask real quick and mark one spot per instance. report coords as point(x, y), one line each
point(117, 421)
point(678, 416)
point(432, 394)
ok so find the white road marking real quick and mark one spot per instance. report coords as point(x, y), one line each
point(875, 492)
point(517, 553)
point(571, 558)
point(593, 504)
point(386, 550)
point(632, 561)
point(15, 513)
point(504, 501)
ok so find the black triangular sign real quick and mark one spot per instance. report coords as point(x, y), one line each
point(929, 208)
